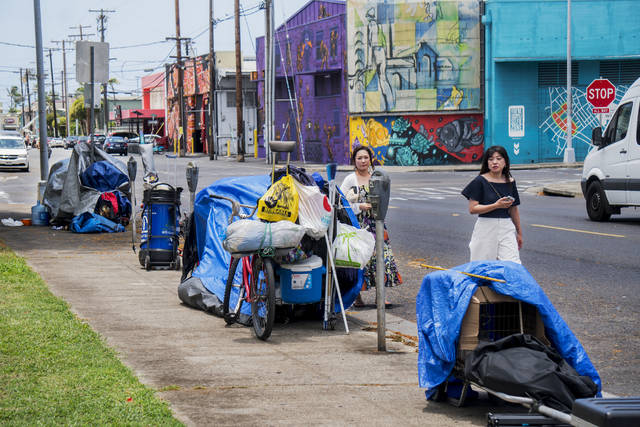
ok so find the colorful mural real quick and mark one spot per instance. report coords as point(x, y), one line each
point(413, 55)
point(419, 140)
point(310, 89)
point(553, 121)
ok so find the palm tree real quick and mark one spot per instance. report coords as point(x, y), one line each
point(15, 97)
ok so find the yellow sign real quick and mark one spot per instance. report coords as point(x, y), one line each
point(180, 131)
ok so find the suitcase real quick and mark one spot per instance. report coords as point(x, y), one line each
point(521, 419)
point(617, 412)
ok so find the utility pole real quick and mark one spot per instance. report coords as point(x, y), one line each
point(53, 97)
point(42, 116)
point(65, 88)
point(181, 131)
point(80, 27)
point(268, 79)
point(569, 153)
point(102, 18)
point(22, 96)
point(213, 109)
point(239, 119)
point(29, 100)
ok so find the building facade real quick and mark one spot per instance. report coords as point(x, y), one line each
point(196, 104)
point(526, 71)
point(415, 86)
point(310, 83)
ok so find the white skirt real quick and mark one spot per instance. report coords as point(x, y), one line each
point(494, 239)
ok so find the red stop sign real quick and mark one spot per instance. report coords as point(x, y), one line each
point(601, 93)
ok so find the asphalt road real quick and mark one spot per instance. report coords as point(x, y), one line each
point(589, 270)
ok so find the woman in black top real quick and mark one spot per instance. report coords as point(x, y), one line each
point(493, 196)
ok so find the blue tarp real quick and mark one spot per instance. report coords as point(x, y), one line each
point(211, 218)
point(442, 303)
point(89, 222)
point(103, 176)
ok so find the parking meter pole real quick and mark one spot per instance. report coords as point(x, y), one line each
point(380, 290)
point(91, 83)
point(192, 182)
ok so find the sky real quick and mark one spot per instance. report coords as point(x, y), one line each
point(134, 23)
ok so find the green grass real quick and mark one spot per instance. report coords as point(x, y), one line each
point(54, 369)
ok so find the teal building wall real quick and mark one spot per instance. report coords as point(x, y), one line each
point(525, 65)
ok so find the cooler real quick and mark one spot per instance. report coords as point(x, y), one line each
point(301, 283)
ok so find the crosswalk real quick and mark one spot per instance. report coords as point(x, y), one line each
point(445, 192)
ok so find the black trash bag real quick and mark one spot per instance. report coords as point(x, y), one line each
point(190, 249)
point(521, 365)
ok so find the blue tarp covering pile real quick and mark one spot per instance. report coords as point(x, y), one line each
point(442, 303)
point(211, 218)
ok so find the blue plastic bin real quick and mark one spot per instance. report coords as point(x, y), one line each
point(301, 283)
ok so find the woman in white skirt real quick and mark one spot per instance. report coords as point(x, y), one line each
point(493, 196)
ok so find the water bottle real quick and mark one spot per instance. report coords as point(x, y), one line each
point(39, 215)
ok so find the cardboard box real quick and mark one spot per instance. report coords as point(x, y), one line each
point(492, 316)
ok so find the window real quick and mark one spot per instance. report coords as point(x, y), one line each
point(318, 44)
point(231, 99)
point(619, 124)
point(620, 72)
point(281, 90)
point(327, 84)
point(249, 99)
point(555, 74)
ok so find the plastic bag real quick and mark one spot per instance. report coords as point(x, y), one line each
point(248, 235)
point(280, 202)
point(353, 247)
point(314, 210)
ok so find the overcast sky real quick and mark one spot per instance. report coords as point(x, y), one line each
point(134, 22)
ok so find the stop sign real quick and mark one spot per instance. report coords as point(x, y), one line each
point(601, 93)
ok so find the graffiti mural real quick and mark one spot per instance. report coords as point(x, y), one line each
point(553, 121)
point(413, 55)
point(418, 140)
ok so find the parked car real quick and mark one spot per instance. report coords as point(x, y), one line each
point(610, 174)
point(56, 143)
point(115, 144)
point(13, 153)
point(70, 141)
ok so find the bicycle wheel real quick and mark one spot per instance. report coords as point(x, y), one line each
point(230, 316)
point(263, 297)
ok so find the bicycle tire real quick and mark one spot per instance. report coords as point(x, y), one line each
point(263, 297)
point(230, 317)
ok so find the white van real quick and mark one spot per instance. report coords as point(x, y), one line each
point(611, 171)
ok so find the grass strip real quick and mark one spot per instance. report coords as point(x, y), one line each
point(54, 369)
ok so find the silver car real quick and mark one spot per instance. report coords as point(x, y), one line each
point(13, 153)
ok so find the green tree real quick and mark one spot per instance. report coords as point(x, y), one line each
point(15, 98)
point(78, 112)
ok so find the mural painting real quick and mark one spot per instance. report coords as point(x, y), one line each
point(410, 56)
point(310, 88)
point(418, 140)
point(553, 121)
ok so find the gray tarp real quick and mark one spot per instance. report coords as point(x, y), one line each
point(64, 195)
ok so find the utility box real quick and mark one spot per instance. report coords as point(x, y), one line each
point(492, 316)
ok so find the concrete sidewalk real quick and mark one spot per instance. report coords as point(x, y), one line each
point(213, 374)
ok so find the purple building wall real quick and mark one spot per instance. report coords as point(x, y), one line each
point(314, 62)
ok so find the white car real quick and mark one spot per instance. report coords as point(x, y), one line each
point(56, 142)
point(13, 153)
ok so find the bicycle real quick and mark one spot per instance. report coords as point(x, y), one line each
point(258, 281)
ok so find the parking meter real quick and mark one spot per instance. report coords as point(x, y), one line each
point(379, 192)
point(192, 181)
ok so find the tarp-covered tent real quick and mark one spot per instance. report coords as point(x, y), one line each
point(65, 194)
point(211, 219)
point(442, 303)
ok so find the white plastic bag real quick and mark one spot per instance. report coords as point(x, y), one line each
point(314, 210)
point(353, 247)
point(248, 235)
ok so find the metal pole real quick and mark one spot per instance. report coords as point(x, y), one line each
point(239, 119)
point(91, 105)
point(22, 96)
point(66, 88)
point(212, 83)
point(380, 290)
point(42, 116)
point(569, 153)
point(29, 101)
point(182, 120)
point(53, 98)
point(267, 80)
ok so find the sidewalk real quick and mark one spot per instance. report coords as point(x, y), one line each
point(220, 375)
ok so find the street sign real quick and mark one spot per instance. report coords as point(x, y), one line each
point(100, 62)
point(601, 93)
